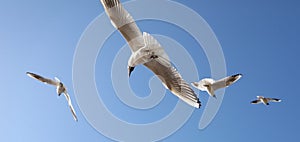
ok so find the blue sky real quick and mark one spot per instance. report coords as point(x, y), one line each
point(259, 39)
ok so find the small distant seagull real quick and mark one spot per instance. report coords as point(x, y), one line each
point(210, 85)
point(265, 101)
point(60, 88)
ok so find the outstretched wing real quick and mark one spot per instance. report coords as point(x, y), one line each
point(154, 46)
point(70, 105)
point(173, 81)
point(273, 100)
point(151, 50)
point(256, 102)
point(225, 82)
point(42, 79)
point(124, 22)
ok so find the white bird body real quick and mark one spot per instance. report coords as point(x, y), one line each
point(143, 45)
point(265, 101)
point(151, 50)
point(60, 88)
point(210, 85)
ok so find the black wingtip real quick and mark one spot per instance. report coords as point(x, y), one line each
point(253, 102)
point(130, 69)
point(239, 74)
point(278, 100)
point(199, 103)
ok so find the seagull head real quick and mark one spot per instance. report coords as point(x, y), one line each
point(259, 97)
point(130, 69)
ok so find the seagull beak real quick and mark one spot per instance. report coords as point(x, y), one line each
point(215, 96)
point(130, 69)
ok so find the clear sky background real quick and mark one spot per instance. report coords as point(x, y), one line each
point(260, 39)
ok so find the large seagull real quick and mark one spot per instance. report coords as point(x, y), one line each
point(60, 88)
point(156, 62)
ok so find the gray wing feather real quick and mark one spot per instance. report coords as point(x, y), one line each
point(273, 100)
point(154, 46)
point(225, 82)
point(174, 82)
point(42, 79)
point(70, 105)
point(124, 22)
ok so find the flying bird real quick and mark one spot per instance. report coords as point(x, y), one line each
point(210, 85)
point(60, 88)
point(265, 101)
point(157, 63)
point(152, 50)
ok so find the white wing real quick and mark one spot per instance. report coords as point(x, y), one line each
point(225, 82)
point(154, 46)
point(138, 57)
point(42, 79)
point(70, 105)
point(273, 100)
point(124, 22)
point(150, 42)
point(173, 81)
point(151, 48)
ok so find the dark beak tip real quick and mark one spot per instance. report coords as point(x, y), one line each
point(130, 69)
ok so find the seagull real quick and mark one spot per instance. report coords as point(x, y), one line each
point(265, 101)
point(210, 85)
point(60, 88)
point(151, 50)
point(157, 63)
